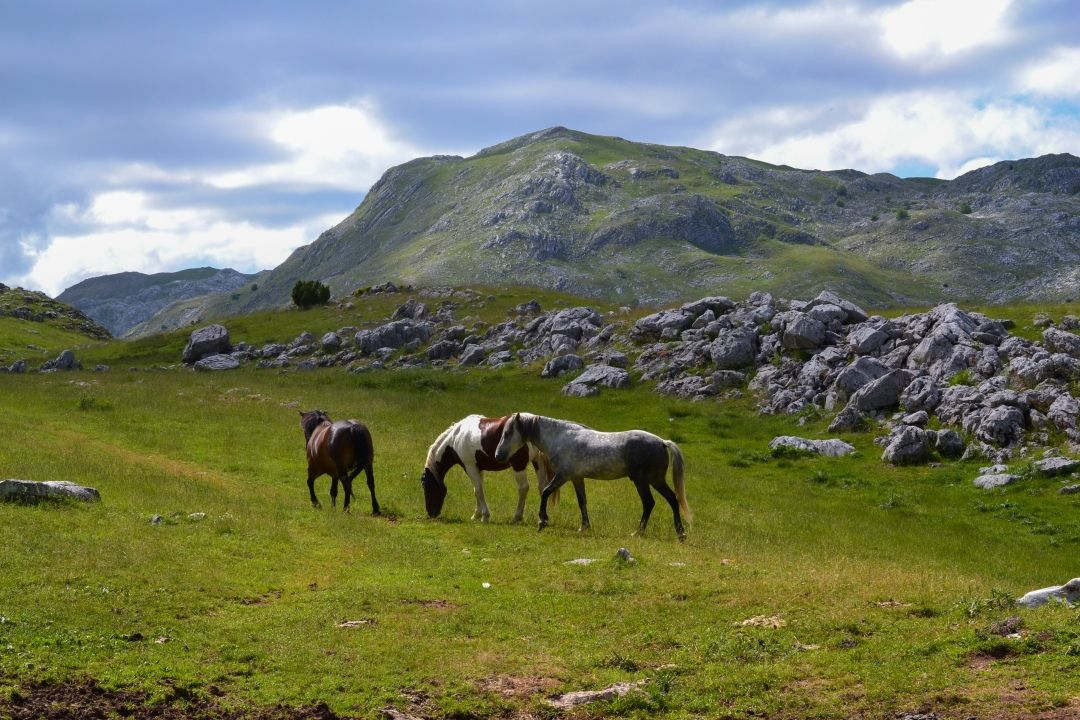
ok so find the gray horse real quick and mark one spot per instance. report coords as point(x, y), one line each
point(576, 452)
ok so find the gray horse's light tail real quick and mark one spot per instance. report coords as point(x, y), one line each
point(677, 479)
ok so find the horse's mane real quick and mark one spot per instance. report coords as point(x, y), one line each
point(311, 420)
point(436, 450)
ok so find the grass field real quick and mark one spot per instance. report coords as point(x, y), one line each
point(880, 589)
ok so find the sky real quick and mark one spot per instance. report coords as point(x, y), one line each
point(157, 136)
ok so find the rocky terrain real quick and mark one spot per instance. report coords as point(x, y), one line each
point(606, 217)
point(124, 300)
point(35, 306)
point(947, 383)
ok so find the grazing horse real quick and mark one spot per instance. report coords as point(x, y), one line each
point(339, 449)
point(470, 443)
point(576, 452)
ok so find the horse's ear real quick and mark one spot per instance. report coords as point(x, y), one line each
point(301, 413)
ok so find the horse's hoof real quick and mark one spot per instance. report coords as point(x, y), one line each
point(541, 525)
point(376, 513)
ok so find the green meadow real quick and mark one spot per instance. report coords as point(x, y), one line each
point(808, 587)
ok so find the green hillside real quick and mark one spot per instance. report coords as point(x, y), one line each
point(640, 224)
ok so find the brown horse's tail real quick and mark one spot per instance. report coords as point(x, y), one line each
point(677, 479)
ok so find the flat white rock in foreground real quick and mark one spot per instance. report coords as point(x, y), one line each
point(1069, 593)
point(32, 491)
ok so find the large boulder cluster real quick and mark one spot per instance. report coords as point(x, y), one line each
point(946, 382)
point(829, 355)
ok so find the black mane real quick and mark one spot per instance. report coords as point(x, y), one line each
point(311, 420)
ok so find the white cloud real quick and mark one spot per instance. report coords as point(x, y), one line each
point(1055, 75)
point(124, 231)
point(946, 131)
point(921, 28)
point(341, 146)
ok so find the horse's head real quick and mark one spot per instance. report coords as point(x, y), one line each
point(434, 492)
point(312, 419)
point(511, 439)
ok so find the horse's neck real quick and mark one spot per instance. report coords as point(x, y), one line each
point(539, 430)
point(436, 459)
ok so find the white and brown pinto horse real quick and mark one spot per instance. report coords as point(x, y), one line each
point(339, 449)
point(576, 452)
point(470, 443)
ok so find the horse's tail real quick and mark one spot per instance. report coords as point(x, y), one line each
point(677, 479)
point(363, 450)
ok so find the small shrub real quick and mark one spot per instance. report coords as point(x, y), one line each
point(965, 208)
point(902, 214)
point(235, 296)
point(254, 287)
point(89, 402)
point(309, 293)
point(961, 378)
point(874, 217)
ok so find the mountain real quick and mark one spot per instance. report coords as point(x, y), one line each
point(122, 301)
point(643, 223)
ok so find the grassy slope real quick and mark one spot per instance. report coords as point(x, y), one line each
point(249, 599)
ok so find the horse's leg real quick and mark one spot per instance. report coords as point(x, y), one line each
point(555, 484)
point(346, 483)
point(647, 503)
point(370, 472)
point(333, 490)
point(668, 494)
point(579, 490)
point(311, 490)
point(523, 490)
point(481, 513)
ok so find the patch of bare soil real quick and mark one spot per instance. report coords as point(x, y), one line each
point(85, 700)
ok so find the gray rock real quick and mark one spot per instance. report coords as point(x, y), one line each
point(393, 335)
point(829, 448)
point(687, 386)
point(64, 361)
point(848, 420)
point(1060, 341)
point(595, 377)
point(734, 349)
point(884, 392)
point(443, 350)
point(653, 326)
point(472, 355)
point(1069, 593)
point(989, 482)
point(1069, 489)
point(30, 491)
point(857, 375)
point(1063, 412)
point(855, 314)
point(1003, 425)
point(19, 366)
point(561, 365)
point(866, 339)
point(908, 446)
point(1055, 466)
point(411, 309)
point(949, 443)
point(217, 362)
point(209, 340)
point(722, 379)
point(919, 419)
point(802, 332)
point(331, 342)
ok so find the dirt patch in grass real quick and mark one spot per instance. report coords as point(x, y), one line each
point(440, 604)
point(87, 699)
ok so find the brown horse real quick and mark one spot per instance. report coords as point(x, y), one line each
point(339, 449)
